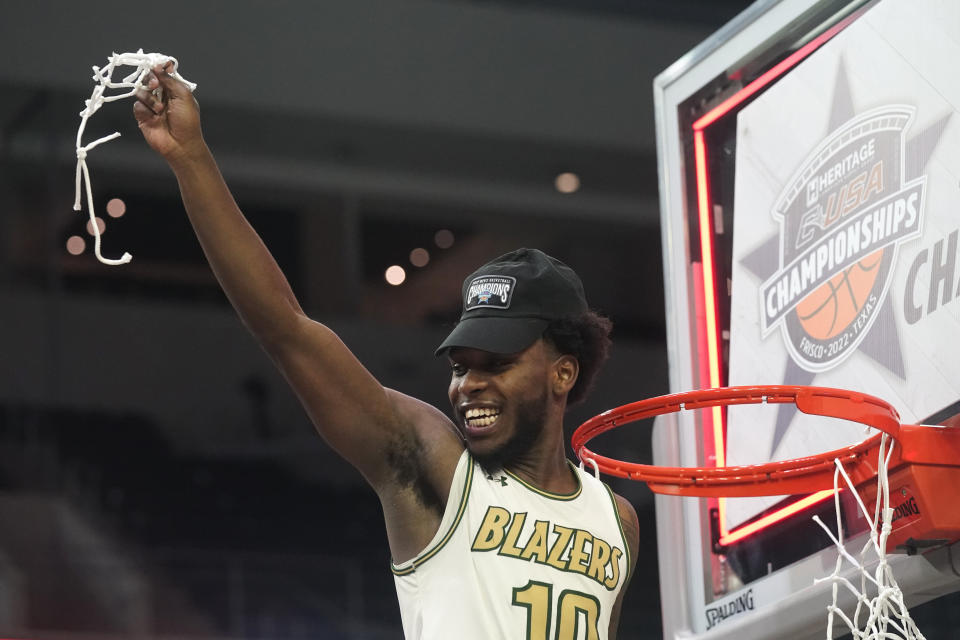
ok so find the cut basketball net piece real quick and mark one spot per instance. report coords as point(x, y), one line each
point(144, 63)
point(916, 460)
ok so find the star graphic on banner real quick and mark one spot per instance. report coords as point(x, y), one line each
point(763, 261)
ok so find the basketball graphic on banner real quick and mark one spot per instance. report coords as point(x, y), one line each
point(830, 309)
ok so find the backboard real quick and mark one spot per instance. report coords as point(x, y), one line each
point(809, 159)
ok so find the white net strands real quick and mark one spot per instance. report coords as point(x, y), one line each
point(127, 87)
point(882, 615)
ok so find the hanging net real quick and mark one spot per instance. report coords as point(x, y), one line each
point(880, 612)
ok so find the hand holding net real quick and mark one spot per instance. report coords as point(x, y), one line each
point(143, 63)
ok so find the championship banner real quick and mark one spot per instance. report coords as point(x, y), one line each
point(845, 240)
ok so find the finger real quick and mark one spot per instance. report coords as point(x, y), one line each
point(142, 112)
point(176, 88)
point(149, 100)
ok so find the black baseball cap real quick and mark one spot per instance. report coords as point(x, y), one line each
point(509, 301)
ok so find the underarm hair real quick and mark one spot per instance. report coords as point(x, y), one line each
point(406, 457)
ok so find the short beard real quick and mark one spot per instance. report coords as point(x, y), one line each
point(531, 421)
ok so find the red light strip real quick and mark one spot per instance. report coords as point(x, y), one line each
point(709, 284)
point(710, 307)
point(706, 252)
point(776, 516)
point(770, 75)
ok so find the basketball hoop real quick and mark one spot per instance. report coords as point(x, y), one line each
point(799, 475)
point(914, 460)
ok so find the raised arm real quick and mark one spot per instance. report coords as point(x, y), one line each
point(366, 423)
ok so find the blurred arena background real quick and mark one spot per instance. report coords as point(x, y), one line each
point(157, 477)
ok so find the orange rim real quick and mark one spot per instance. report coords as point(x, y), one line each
point(798, 475)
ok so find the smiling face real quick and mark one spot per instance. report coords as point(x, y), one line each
point(503, 403)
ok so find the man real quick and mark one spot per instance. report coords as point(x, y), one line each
point(493, 533)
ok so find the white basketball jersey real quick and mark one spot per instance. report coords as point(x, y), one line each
point(511, 561)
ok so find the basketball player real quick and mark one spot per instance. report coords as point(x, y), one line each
point(493, 533)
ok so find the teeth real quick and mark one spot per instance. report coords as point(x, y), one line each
point(479, 413)
point(481, 417)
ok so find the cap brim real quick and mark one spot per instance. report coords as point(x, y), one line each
point(497, 335)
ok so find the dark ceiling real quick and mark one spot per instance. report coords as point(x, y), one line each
point(351, 132)
point(709, 12)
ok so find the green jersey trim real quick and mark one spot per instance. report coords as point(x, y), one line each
point(623, 536)
point(546, 494)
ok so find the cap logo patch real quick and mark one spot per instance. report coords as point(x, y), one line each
point(493, 292)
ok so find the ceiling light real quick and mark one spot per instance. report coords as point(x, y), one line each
point(101, 225)
point(419, 257)
point(395, 275)
point(116, 208)
point(567, 182)
point(76, 245)
point(443, 238)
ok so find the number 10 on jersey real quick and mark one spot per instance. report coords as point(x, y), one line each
point(572, 607)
